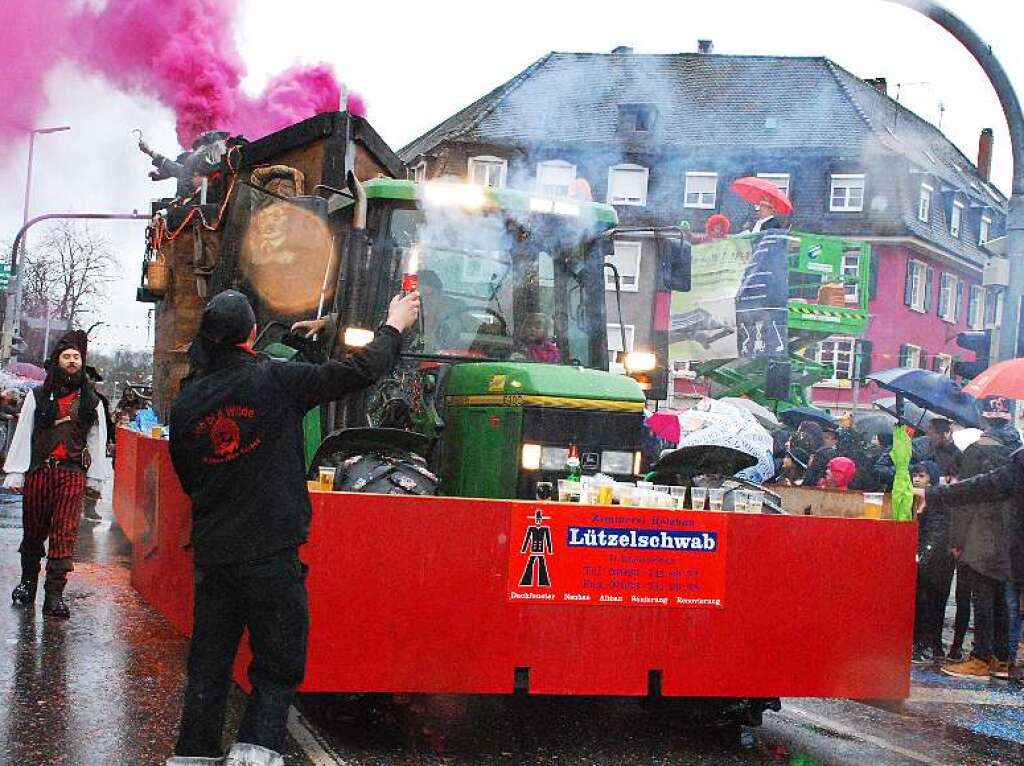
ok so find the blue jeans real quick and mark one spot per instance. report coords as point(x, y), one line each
point(1013, 593)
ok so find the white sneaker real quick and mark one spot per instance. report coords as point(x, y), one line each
point(245, 754)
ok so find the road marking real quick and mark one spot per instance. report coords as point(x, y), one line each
point(846, 731)
point(965, 697)
point(313, 746)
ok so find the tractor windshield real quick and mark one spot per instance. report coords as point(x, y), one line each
point(493, 288)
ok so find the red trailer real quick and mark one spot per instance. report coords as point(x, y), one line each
point(431, 594)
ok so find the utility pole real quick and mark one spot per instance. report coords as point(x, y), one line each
point(1009, 342)
point(12, 315)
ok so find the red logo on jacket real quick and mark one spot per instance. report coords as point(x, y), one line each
point(225, 435)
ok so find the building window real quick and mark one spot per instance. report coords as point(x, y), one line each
point(616, 354)
point(917, 285)
point(956, 219)
point(555, 178)
point(984, 229)
point(943, 364)
point(910, 355)
point(838, 352)
point(488, 171)
point(976, 308)
point(948, 291)
point(851, 275)
point(701, 190)
point(993, 307)
point(418, 172)
point(626, 259)
point(924, 204)
point(779, 179)
point(627, 185)
point(847, 193)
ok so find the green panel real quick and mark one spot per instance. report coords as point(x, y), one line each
point(541, 380)
point(481, 452)
point(820, 257)
point(499, 199)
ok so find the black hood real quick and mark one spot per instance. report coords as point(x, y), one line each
point(227, 321)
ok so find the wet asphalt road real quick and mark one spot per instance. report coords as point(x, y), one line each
point(104, 688)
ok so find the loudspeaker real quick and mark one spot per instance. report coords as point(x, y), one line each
point(777, 380)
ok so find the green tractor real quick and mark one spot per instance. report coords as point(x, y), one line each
point(508, 367)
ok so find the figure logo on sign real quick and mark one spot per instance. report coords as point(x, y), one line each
point(536, 542)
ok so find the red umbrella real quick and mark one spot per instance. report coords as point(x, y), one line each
point(27, 370)
point(664, 424)
point(757, 190)
point(1003, 379)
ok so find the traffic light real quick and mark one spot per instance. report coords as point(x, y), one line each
point(980, 342)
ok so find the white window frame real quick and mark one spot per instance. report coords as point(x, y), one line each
point(976, 307)
point(834, 348)
point(488, 163)
point(545, 189)
point(418, 172)
point(943, 364)
point(947, 295)
point(956, 219)
point(915, 352)
point(851, 268)
point(984, 229)
point(706, 200)
point(920, 269)
point(848, 182)
point(614, 199)
point(924, 203)
point(613, 349)
point(782, 180)
point(625, 249)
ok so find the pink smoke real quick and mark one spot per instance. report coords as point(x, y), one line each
point(181, 52)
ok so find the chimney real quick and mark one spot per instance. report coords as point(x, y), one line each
point(878, 83)
point(705, 46)
point(622, 49)
point(985, 153)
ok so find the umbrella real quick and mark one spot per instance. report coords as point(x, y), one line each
point(871, 424)
point(756, 190)
point(794, 416)
point(702, 460)
point(27, 370)
point(930, 390)
point(965, 437)
point(902, 488)
point(714, 423)
point(1003, 379)
point(665, 425)
point(912, 414)
point(762, 414)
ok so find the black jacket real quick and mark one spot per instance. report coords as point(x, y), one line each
point(987, 519)
point(237, 446)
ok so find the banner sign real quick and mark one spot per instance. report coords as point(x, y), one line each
point(737, 306)
point(599, 555)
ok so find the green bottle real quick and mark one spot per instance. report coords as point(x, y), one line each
point(572, 464)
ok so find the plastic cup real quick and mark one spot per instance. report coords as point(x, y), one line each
point(679, 498)
point(739, 500)
point(627, 494)
point(327, 473)
point(157, 432)
point(715, 498)
point(566, 489)
point(605, 493)
point(645, 484)
point(697, 497)
point(755, 501)
point(873, 505)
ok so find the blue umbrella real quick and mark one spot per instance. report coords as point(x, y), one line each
point(794, 416)
point(932, 391)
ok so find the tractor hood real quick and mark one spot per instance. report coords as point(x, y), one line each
point(491, 382)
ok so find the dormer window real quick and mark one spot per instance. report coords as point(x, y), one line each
point(637, 118)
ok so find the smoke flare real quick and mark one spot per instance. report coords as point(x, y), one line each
point(181, 52)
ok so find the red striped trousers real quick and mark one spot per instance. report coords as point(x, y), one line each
point(50, 508)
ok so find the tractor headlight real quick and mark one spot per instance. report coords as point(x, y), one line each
point(553, 458)
point(357, 337)
point(640, 361)
point(615, 462)
point(531, 457)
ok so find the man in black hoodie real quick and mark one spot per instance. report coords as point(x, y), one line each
point(236, 445)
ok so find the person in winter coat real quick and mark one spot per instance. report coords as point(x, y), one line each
point(820, 459)
point(236, 445)
point(984, 512)
point(59, 448)
point(935, 566)
point(937, 445)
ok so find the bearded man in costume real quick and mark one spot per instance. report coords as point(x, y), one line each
point(59, 446)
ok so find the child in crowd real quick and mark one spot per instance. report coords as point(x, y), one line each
point(537, 332)
point(839, 474)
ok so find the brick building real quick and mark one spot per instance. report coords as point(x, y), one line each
point(661, 137)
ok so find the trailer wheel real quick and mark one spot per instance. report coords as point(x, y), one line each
point(388, 473)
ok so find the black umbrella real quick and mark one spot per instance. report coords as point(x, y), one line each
point(932, 391)
point(912, 414)
point(794, 416)
point(706, 459)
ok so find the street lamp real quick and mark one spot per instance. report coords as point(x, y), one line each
point(13, 323)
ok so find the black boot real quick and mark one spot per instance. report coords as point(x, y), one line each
point(53, 589)
point(25, 592)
